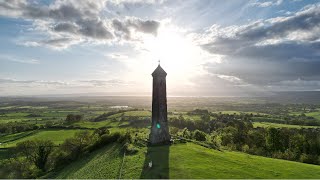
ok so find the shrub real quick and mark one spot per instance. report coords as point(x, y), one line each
point(125, 138)
point(245, 148)
point(71, 118)
point(104, 140)
point(101, 131)
point(130, 149)
point(216, 141)
point(18, 168)
point(199, 135)
point(60, 159)
point(77, 145)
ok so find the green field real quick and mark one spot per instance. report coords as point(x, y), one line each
point(240, 112)
point(314, 114)
point(39, 119)
point(184, 161)
point(57, 136)
point(16, 136)
point(276, 125)
point(138, 113)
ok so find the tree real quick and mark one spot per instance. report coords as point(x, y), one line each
point(228, 135)
point(199, 135)
point(273, 139)
point(71, 118)
point(256, 138)
point(76, 145)
point(186, 133)
point(36, 151)
point(101, 131)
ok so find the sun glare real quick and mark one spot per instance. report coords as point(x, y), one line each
point(178, 55)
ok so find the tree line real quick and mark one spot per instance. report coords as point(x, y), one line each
point(36, 158)
point(236, 132)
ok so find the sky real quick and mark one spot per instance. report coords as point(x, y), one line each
point(111, 47)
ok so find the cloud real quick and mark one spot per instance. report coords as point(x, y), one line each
point(268, 51)
point(136, 1)
point(26, 87)
point(300, 30)
point(66, 27)
point(117, 56)
point(54, 43)
point(94, 29)
point(12, 81)
point(19, 60)
point(232, 79)
point(103, 83)
point(75, 22)
point(125, 28)
point(94, 82)
point(297, 85)
point(267, 3)
point(148, 26)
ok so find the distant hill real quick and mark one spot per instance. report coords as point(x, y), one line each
point(287, 97)
point(183, 161)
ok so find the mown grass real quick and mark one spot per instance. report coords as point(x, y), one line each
point(138, 113)
point(102, 164)
point(194, 161)
point(16, 136)
point(276, 125)
point(184, 161)
point(90, 124)
point(55, 135)
point(314, 114)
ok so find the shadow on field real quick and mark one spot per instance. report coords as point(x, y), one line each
point(159, 155)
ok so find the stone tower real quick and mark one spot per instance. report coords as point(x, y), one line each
point(159, 128)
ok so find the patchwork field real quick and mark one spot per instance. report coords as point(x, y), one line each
point(56, 136)
point(229, 125)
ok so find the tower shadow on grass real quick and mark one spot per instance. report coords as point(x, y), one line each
point(159, 155)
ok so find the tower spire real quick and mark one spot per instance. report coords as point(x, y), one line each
point(159, 62)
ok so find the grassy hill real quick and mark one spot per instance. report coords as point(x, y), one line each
point(183, 161)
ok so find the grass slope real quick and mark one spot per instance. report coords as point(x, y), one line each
point(184, 161)
point(102, 164)
point(193, 161)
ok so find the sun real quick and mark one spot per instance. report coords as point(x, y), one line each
point(178, 55)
